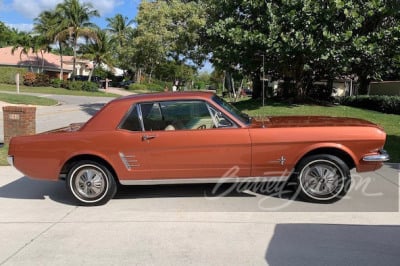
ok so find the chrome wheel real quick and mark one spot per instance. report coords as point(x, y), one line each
point(322, 178)
point(91, 183)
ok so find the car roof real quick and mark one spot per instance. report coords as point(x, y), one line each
point(165, 96)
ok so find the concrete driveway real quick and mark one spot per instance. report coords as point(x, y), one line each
point(188, 225)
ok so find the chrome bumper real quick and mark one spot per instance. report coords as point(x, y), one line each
point(10, 160)
point(383, 156)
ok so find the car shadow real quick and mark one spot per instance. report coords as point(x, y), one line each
point(91, 109)
point(27, 188)
point(334, 244)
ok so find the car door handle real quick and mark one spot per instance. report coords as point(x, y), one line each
point(148, 137)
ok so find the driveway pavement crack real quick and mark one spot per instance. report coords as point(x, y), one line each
point(27, 244)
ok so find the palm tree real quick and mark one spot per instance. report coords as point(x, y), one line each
point(119, 27)
point(51, 25)
point(24, 41)
point(77, 18)
point(100, 51)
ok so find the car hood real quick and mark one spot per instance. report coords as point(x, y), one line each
point(310, 121)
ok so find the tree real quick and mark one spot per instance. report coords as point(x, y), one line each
point(303, 40)
point(50, 25)
point(77, 18)
point(168, 30)
point(119, 27)
point(99, 51)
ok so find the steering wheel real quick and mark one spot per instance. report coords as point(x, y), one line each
point(202, 127)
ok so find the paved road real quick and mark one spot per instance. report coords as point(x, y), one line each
point(71, 109)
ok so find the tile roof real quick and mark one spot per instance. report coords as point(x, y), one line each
point(51, 61)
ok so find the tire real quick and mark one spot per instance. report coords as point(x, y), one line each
point(322, 178)
point(91, 183)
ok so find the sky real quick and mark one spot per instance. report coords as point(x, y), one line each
point(20, 14)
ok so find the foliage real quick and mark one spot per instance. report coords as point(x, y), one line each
point(145, 87)
point(7, 74)
point(81, 86)
point(29, 78)
point(36, 79)
point(56, 83)
point(384, 104)
point(305, 40)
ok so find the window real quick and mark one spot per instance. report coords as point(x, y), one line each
point(131, 121)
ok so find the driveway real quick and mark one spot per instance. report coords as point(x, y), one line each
point(188, 225)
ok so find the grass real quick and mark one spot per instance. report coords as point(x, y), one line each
point(51, 90)
point(391, 123)
point(26, 99)
point(3, 155)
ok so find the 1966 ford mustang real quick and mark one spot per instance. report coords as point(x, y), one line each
point(196, 137)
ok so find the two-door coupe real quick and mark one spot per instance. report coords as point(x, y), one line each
point(196, 137)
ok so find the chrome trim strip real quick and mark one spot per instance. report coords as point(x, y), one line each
point(10, 160)
point(204, 180)
point(382, 157)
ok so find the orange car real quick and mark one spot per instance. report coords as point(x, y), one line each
point(196, 137)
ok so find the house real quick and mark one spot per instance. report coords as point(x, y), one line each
point(45, 62)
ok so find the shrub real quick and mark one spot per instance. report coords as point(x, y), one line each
point(145, 87)
point(42, 80)
point(7, 74)
point(56, 83)
point(81, 86)
point(383, 104)
point(29, 78)
point(90, 86)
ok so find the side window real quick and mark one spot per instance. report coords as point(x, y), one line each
point(186, 115)
point(131, 121)
point(152, 116)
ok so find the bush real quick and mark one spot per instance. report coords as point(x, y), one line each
point(81, 86)
point(383, 104)
point(42, 80)
point(29, 78)
point(56, 83)
point(145, 87)
point(7, 74)
point(90, 86)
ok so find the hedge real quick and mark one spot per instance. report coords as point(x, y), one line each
point(383, 104)
point(7, 74)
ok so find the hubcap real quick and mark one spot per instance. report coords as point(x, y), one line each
point(322, 180)
point(90, 183)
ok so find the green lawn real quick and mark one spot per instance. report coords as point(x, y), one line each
point(391, 123)
point(51, 90)
point(26, 99)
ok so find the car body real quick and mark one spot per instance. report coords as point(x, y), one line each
point(196, 137)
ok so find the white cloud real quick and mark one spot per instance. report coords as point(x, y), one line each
point(32, 8)
point(21, 27)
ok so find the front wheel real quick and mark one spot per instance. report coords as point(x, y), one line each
point(322, 178)
point(91, 183)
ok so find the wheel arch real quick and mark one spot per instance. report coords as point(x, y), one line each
point(86, 157)
point(341, 154)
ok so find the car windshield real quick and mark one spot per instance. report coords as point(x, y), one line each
point(244, 118)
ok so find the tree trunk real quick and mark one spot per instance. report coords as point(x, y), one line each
point(363, 85)
point(257, 86)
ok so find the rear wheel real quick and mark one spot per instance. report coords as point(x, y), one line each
point(91, 183)
point(322, 178)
